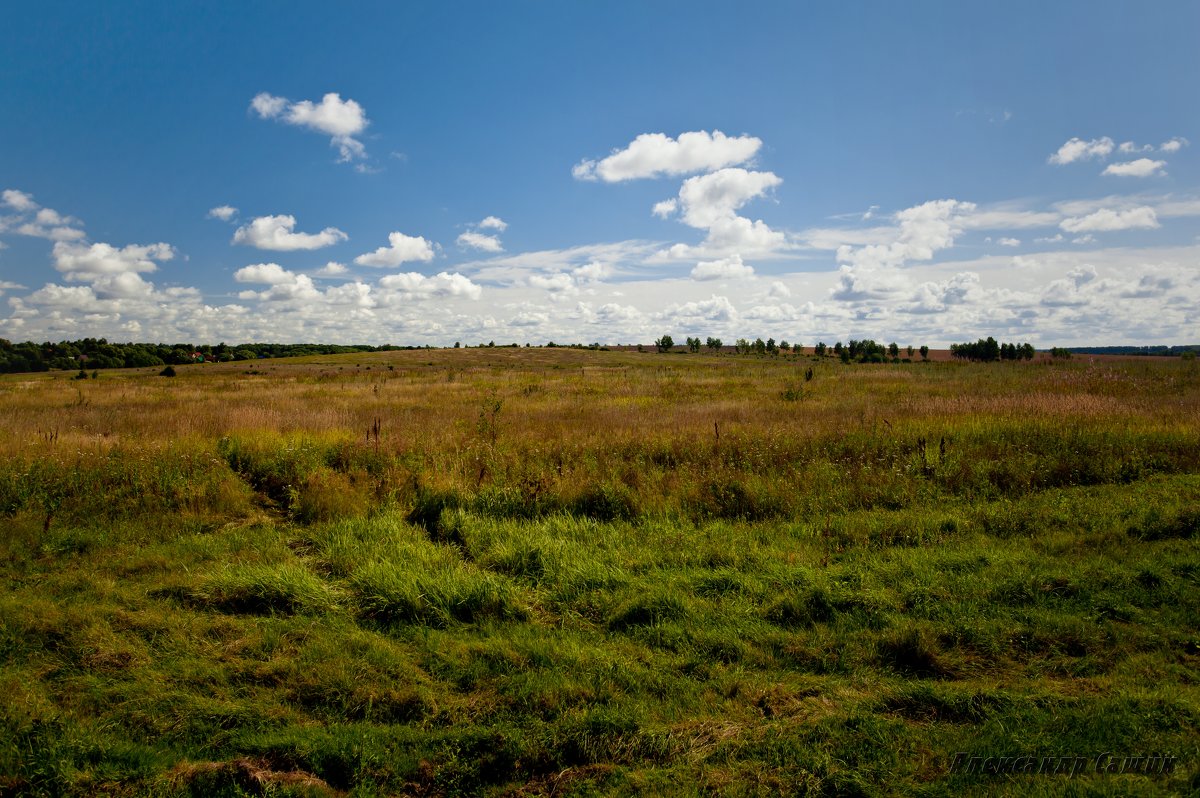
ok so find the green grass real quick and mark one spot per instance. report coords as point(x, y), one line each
point(829, 608)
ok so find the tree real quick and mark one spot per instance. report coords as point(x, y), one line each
point(784, 346)
point(924, 352)
point(819, 349)
point(760, 346)
point(893, 349)
point(909, 350)
point(664, 344)
point(713, 344)
point(771, 347)
point(693, 344)
point(743, 346)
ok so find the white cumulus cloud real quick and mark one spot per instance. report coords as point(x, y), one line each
point(1077, 149)
point(717, 308)
point(413, 285)
point(707, 198)
point(85, 262)
point(276, 233)
point(1173, 145)
point(18, 200)
point(722, 269)
point(401, 249)
point(223, 212)
point(475, 240)
point(1142, 167)
point(656, 154)
point(332, 269)
point(268, 273)
point(493, 223)
point(665, 208)
point(339, 119)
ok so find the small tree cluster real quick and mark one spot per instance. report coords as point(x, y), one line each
point(988, 349)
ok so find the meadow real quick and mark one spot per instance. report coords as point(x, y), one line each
point(525, 572)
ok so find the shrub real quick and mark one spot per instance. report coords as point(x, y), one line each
point(169, 371)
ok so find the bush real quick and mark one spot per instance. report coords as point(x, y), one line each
point(169, 371)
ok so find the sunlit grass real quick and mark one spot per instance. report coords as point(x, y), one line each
point(564, 572)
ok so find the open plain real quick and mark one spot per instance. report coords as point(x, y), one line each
point(535, 571)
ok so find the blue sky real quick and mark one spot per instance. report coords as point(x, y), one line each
point(530, 171)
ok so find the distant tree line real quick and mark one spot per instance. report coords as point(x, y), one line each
point(988, 349)
point(864, 351)
point(1159, 351)
point(99, 353)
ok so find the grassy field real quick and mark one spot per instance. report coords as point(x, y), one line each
point(561, 572)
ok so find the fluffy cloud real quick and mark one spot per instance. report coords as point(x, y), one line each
point(1106, 220)
point(937, 297)
point(1139, 168)
point(715, 309)
point(400, 249)
point(872, 272)
point(332, 269)
point(413, 285)
point(867, 283)
point(665, 208)
point(479, 241)
point(723, 269)
point(473, 239)
point(340, 119)
point(276, 233)
point(83, 262)
point(222, 212)
point(592, 272)
point(552, 282)
point(1174, 145)
point(711, 202)
point(44, 222)
point(1142, 167)
point(268, 273)
point(291, 288)
point(923, 230)
point(656, 154)
point(18, 200)
point(708, 198)
point(1079, 150)
point(612, 312)
point(1009, 242)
